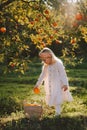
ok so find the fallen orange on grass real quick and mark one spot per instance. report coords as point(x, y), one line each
point(36, 90)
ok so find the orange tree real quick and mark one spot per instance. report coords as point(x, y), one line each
point(40, 23)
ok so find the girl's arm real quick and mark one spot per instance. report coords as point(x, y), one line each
point(41, 77)
point(63, 76)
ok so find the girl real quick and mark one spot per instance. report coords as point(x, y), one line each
point(55, 80)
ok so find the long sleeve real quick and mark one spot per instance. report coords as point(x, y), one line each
point(62, 72)
point(41, 77)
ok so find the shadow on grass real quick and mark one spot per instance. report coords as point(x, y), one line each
point(80, 91)
point(55, 123)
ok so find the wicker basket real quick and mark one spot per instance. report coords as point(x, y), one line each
point(33, 110)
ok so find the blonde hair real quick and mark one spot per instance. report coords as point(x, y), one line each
point(48, 50)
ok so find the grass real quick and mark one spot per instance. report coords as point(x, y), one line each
point(14, 89)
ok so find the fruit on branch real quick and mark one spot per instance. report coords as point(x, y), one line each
point(3, 29)
point(51, 36)
point(58, 41)
point(54, 24)
point(79, 16)
point(73, 41)
point(12, 65)
point(46, 11)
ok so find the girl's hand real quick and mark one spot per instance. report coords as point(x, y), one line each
point(35, 86)
point(65, 87)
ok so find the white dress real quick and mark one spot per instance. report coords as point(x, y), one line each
point(54, 77)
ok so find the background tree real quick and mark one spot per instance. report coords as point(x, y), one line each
point(27, 26)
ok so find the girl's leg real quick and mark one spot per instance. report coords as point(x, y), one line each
point(57, 109)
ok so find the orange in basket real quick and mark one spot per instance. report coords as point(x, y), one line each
point(27, 104)
point(33, 110)
point(36, 90)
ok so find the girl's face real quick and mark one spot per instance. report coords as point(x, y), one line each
point(46, 58)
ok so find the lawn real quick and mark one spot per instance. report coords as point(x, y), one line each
point(15, 88)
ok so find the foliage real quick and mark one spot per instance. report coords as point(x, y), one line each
point(9, 105)
point(40, 23)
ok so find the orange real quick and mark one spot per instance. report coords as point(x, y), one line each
point(73, 41)
point(27, 104)
point(36, 90)
point(79, 16)
point(3, 29)
point(55, 24)
point(46, 11)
